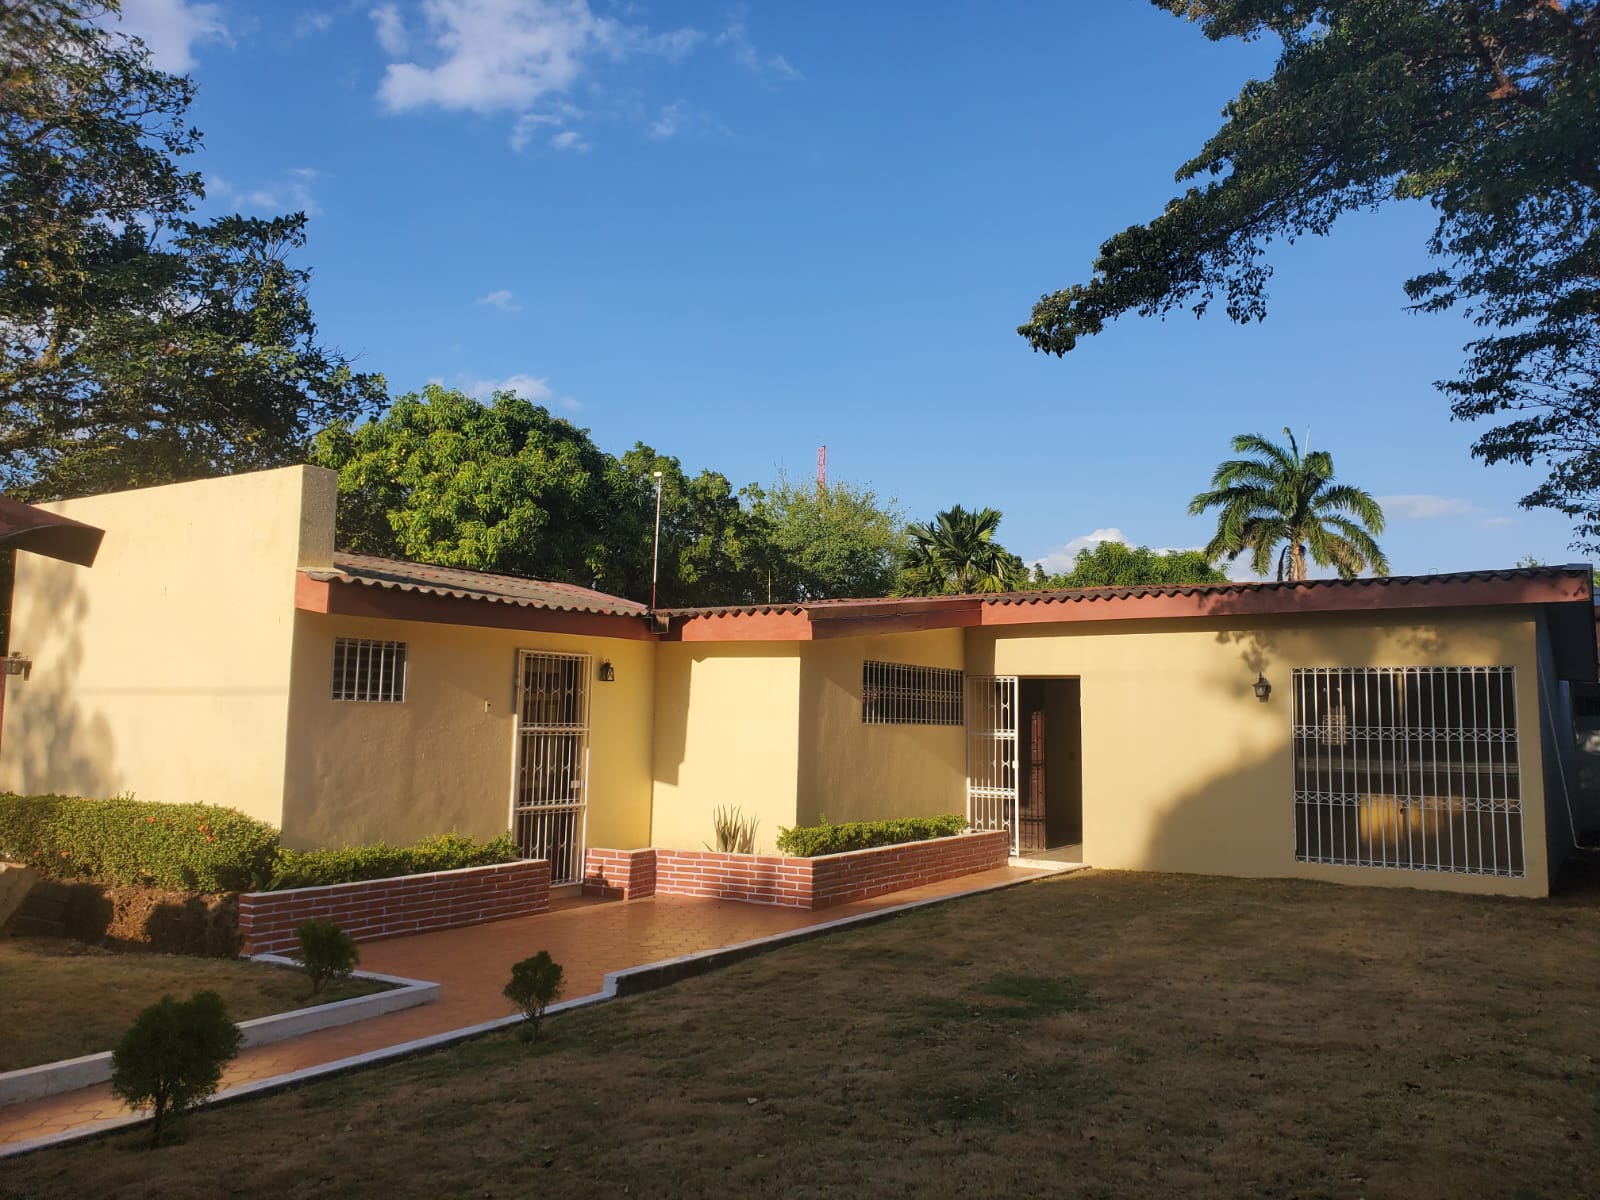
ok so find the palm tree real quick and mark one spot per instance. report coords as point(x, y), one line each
point(1280, 503)
point(956, 553)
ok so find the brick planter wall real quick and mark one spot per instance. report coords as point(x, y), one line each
point(811, 883)
point(862, 874)
point(619, 874)
point(382, 908)
point(757, 879)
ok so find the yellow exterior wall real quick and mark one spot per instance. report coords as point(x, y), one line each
point(852, 771)
point(1185, 770)
point(164, 668)
point(726, 733)
point(443, 760)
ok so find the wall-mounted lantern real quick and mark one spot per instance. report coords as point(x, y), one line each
point(607, 673)
point(1261, 687)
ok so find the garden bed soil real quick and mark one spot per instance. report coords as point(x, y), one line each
point(141, 918)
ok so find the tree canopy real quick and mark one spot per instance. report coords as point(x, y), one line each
point(713, 548)
point(1281, 505)
point(1116, 564)
point(137, 346)
point(502, 486)
point(824, 543)
point(506, 486)
point(1490, 112)
point(956, 553)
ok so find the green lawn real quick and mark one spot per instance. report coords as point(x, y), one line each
point(62, 999)
point(1102, 1034)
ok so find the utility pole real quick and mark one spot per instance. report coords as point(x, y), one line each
point(655, 556)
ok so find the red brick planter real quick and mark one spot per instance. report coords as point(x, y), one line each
point(792, 882)
point(382, 908)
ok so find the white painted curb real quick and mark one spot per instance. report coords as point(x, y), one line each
point(70, 1074)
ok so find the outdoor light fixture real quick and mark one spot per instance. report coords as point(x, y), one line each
point(1261, 687)
point(607, 673)
point(17, 665)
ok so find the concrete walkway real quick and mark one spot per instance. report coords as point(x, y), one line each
point(590, 939)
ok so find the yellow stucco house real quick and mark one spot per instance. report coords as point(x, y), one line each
point(1408, 731)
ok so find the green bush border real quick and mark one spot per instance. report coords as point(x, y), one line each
point(813, 841)
point(204, 847)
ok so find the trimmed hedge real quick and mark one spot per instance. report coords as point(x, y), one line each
point(315, 868)
point(183, 847)
point(812, 841)
point(204, 848)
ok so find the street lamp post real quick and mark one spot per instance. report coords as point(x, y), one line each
point(655, 556)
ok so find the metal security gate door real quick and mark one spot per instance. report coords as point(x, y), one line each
point(992, 754)
point(552, 760)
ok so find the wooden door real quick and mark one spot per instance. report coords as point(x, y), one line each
point(1033, 809)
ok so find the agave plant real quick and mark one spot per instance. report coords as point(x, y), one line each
point(736, 833)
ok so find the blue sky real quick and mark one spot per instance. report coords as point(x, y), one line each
point(740, 232)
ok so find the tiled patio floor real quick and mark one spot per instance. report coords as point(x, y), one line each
point(588, 938)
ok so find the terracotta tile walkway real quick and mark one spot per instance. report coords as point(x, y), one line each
point(588, 938)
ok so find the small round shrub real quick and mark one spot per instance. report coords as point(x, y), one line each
point(535, 982)
point(326, 952)
point(172, 1057)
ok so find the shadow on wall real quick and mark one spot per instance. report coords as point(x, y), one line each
point(1258, 650)
point(50, 743)
point(1239, 821)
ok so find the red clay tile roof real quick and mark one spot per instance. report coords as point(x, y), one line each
point(1287, 592)
point(471, 585)
point(24, 527)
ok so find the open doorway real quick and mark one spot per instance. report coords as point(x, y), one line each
point(1050, 762)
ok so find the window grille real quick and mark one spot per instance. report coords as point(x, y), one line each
point(1414, 768)
point(364, 669)
point(897, 694)
point(1585, 701)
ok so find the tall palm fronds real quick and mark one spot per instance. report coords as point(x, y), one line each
point(1283, 505)
point(956, 553)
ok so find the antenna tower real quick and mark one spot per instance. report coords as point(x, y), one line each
point(822, 468)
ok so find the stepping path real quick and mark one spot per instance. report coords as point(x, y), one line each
point(589, 938)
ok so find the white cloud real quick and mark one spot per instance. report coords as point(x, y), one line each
point(170, 28)
point(535, 390)
point(1424, 508)
point(390, 28)
point(492, 55)
point(1060, 560)
point(670, 121)
point(500, 298)
point(682, 118)
point(1496, 522)
point(315, 21)
point(571, 404)
point(290, 193)
point(736, 37)
point(515, 56)
point(523, 128)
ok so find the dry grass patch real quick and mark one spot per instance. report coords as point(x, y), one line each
point(1098, 1034)
point(63, 999)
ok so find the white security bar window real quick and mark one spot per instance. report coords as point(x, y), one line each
point(897, 694)
point(364, 669)
point(1414, 768)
